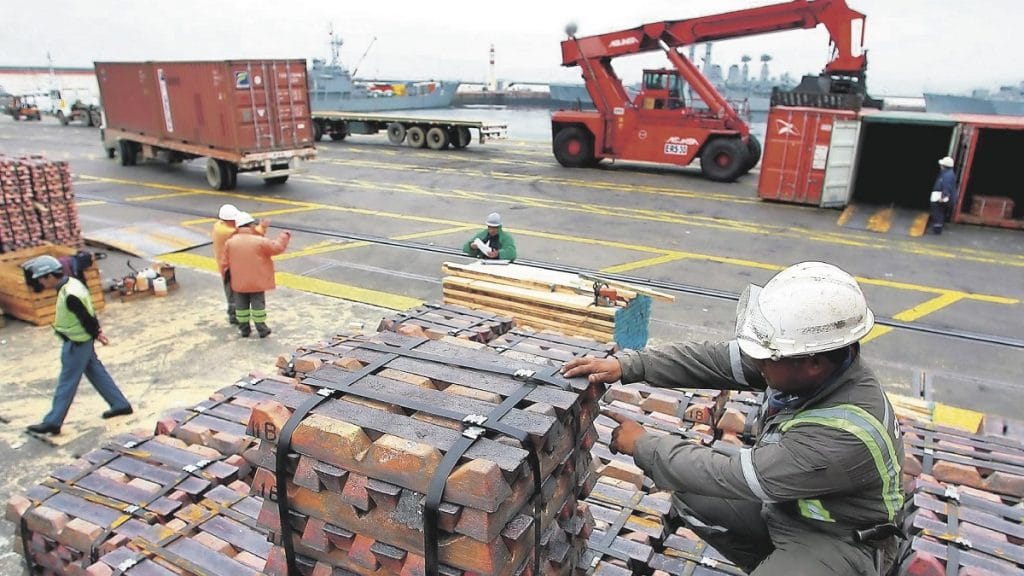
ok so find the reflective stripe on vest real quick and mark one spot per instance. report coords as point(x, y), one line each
point(873, 434)
point(65, 321)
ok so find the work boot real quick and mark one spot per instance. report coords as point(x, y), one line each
point(245, 330)
point(114, 412)
point(44, 429)
point(232, 319)
point(263, 329)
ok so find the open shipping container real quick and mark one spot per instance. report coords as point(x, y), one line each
point(990, 171)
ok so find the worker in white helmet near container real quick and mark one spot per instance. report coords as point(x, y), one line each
point(943, 197)
point(820, 490)
point(492, 243)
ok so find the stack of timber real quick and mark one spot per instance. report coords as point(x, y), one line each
point(37, 204)
point(988, 463)
point(219, 535)
point(407, 455)
point(114, 495)
point(19, 300)
point(544, 299)
point(960, 530)
point(436, 321)
point(549, 347)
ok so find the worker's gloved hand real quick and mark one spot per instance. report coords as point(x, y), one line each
point(625, 435)
point(597, 370)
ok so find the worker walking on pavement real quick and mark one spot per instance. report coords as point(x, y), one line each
point(247, 258)
point(493, 243)
point(820, 490)
point(76, 324)
point(223, 229)
point(943, 197)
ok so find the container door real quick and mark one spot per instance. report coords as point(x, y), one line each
point(839, 167)
point(960, 147)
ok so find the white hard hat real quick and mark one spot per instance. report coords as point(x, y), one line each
point(228, 212)
point(807, 308)
point(946, 162)
point(243, 219)
point(493, 219)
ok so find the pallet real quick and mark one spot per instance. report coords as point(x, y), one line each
point(360, 463)
point(19, 300)
point(111, 495)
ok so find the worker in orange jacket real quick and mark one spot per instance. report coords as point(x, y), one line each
point(223, 229)
point(247, 256)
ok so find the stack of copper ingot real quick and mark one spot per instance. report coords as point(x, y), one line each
point(152, 504)
point(963, 510)
point(408, 455)
point(437, 321)
point(37, 204)
point(549, 347)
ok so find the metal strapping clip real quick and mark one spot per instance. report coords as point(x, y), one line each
point(708, 561)
point(130, 444)
point(952, 493)
point(963, 543)
point(193, 468)
point(289, 368)
point(199, 409)
point(475, 430)
point(131, 509)
point(523, 374)
point(325, 392)
point(127, 564)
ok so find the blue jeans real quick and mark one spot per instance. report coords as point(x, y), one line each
point(78, 359)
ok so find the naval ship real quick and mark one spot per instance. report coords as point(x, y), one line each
point(333, 89)
point(1007, 101)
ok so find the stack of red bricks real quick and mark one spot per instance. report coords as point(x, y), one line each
point(141, 501)
point(361, 462)
point(37, 204)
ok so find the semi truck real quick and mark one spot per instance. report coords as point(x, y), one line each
point(241, 115)
point(435, 134)
point(69, 105)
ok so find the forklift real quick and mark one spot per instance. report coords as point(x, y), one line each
point(23, 106)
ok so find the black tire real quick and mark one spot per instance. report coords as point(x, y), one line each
point(232, 172)
point(126, 150)
point(416, 137)
point(276, 180)
point(753, 153)
point(338, 136)
point(218, 174)
point(111, 152)
point(723, 159)
point(574, 147)
point(396, 133)
point(437, 138)
point(318, 133)
point(63, 119)
point(339, 131)
point(460, 137)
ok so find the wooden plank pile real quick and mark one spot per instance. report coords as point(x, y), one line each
point(436, 321)
point(543, 299)
point(19, 300)
point(113, 495)
point(376, 420)
point(37, 204)
point(960, 530)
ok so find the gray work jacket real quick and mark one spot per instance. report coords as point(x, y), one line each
point(833, 462)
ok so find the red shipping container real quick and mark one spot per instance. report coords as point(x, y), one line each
point(992, 207)
point(796, 149)
point(233, 108)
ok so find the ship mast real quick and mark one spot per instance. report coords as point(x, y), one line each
point(335, 43)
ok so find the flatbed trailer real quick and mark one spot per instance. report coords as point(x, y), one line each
point(433, 133)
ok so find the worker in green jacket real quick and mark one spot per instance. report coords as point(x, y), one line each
point(820, 490)
point(78, 328)
point(492, 243)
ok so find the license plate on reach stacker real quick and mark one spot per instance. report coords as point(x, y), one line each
point(677, 149)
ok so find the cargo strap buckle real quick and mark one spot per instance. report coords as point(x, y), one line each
point(475, 430)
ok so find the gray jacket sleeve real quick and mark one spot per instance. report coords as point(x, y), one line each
point(809, 462)
point(720, 366)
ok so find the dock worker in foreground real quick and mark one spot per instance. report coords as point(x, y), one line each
point(76, 325)
point(943, 197)
point(247, 256)
point(820, 490)
point(492, 243)
point(223, 229)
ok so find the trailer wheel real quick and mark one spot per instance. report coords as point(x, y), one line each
point(232, 172)
point(318, 132)
point(573, 147)
point(63, 119)
point(127, 151)
point(416, 137)
point(111, 152)
point(339, 131)
point(460, 137)
point(753, 153)
point(437, 138)
point(723, 159)
point(218, 174)
point(396, 133)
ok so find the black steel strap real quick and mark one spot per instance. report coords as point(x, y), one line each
point(433, 309)
point(478, 425)
point(240, 386)
point(604, 546)
point(284, 443)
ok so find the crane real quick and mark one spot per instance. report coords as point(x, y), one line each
point(657, 125)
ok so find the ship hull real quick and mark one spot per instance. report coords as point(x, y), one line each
point(355, 101)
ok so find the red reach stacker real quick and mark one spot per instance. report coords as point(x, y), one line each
point(659, 125)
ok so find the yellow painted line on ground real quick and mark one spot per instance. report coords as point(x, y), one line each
point(921, 310)
point(82, 204)
point(306, 284)
point(147, 198)
point(317, 248)
point(257, 215)
point(642, 263)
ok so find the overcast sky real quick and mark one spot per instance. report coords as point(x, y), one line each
point(914, 45)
